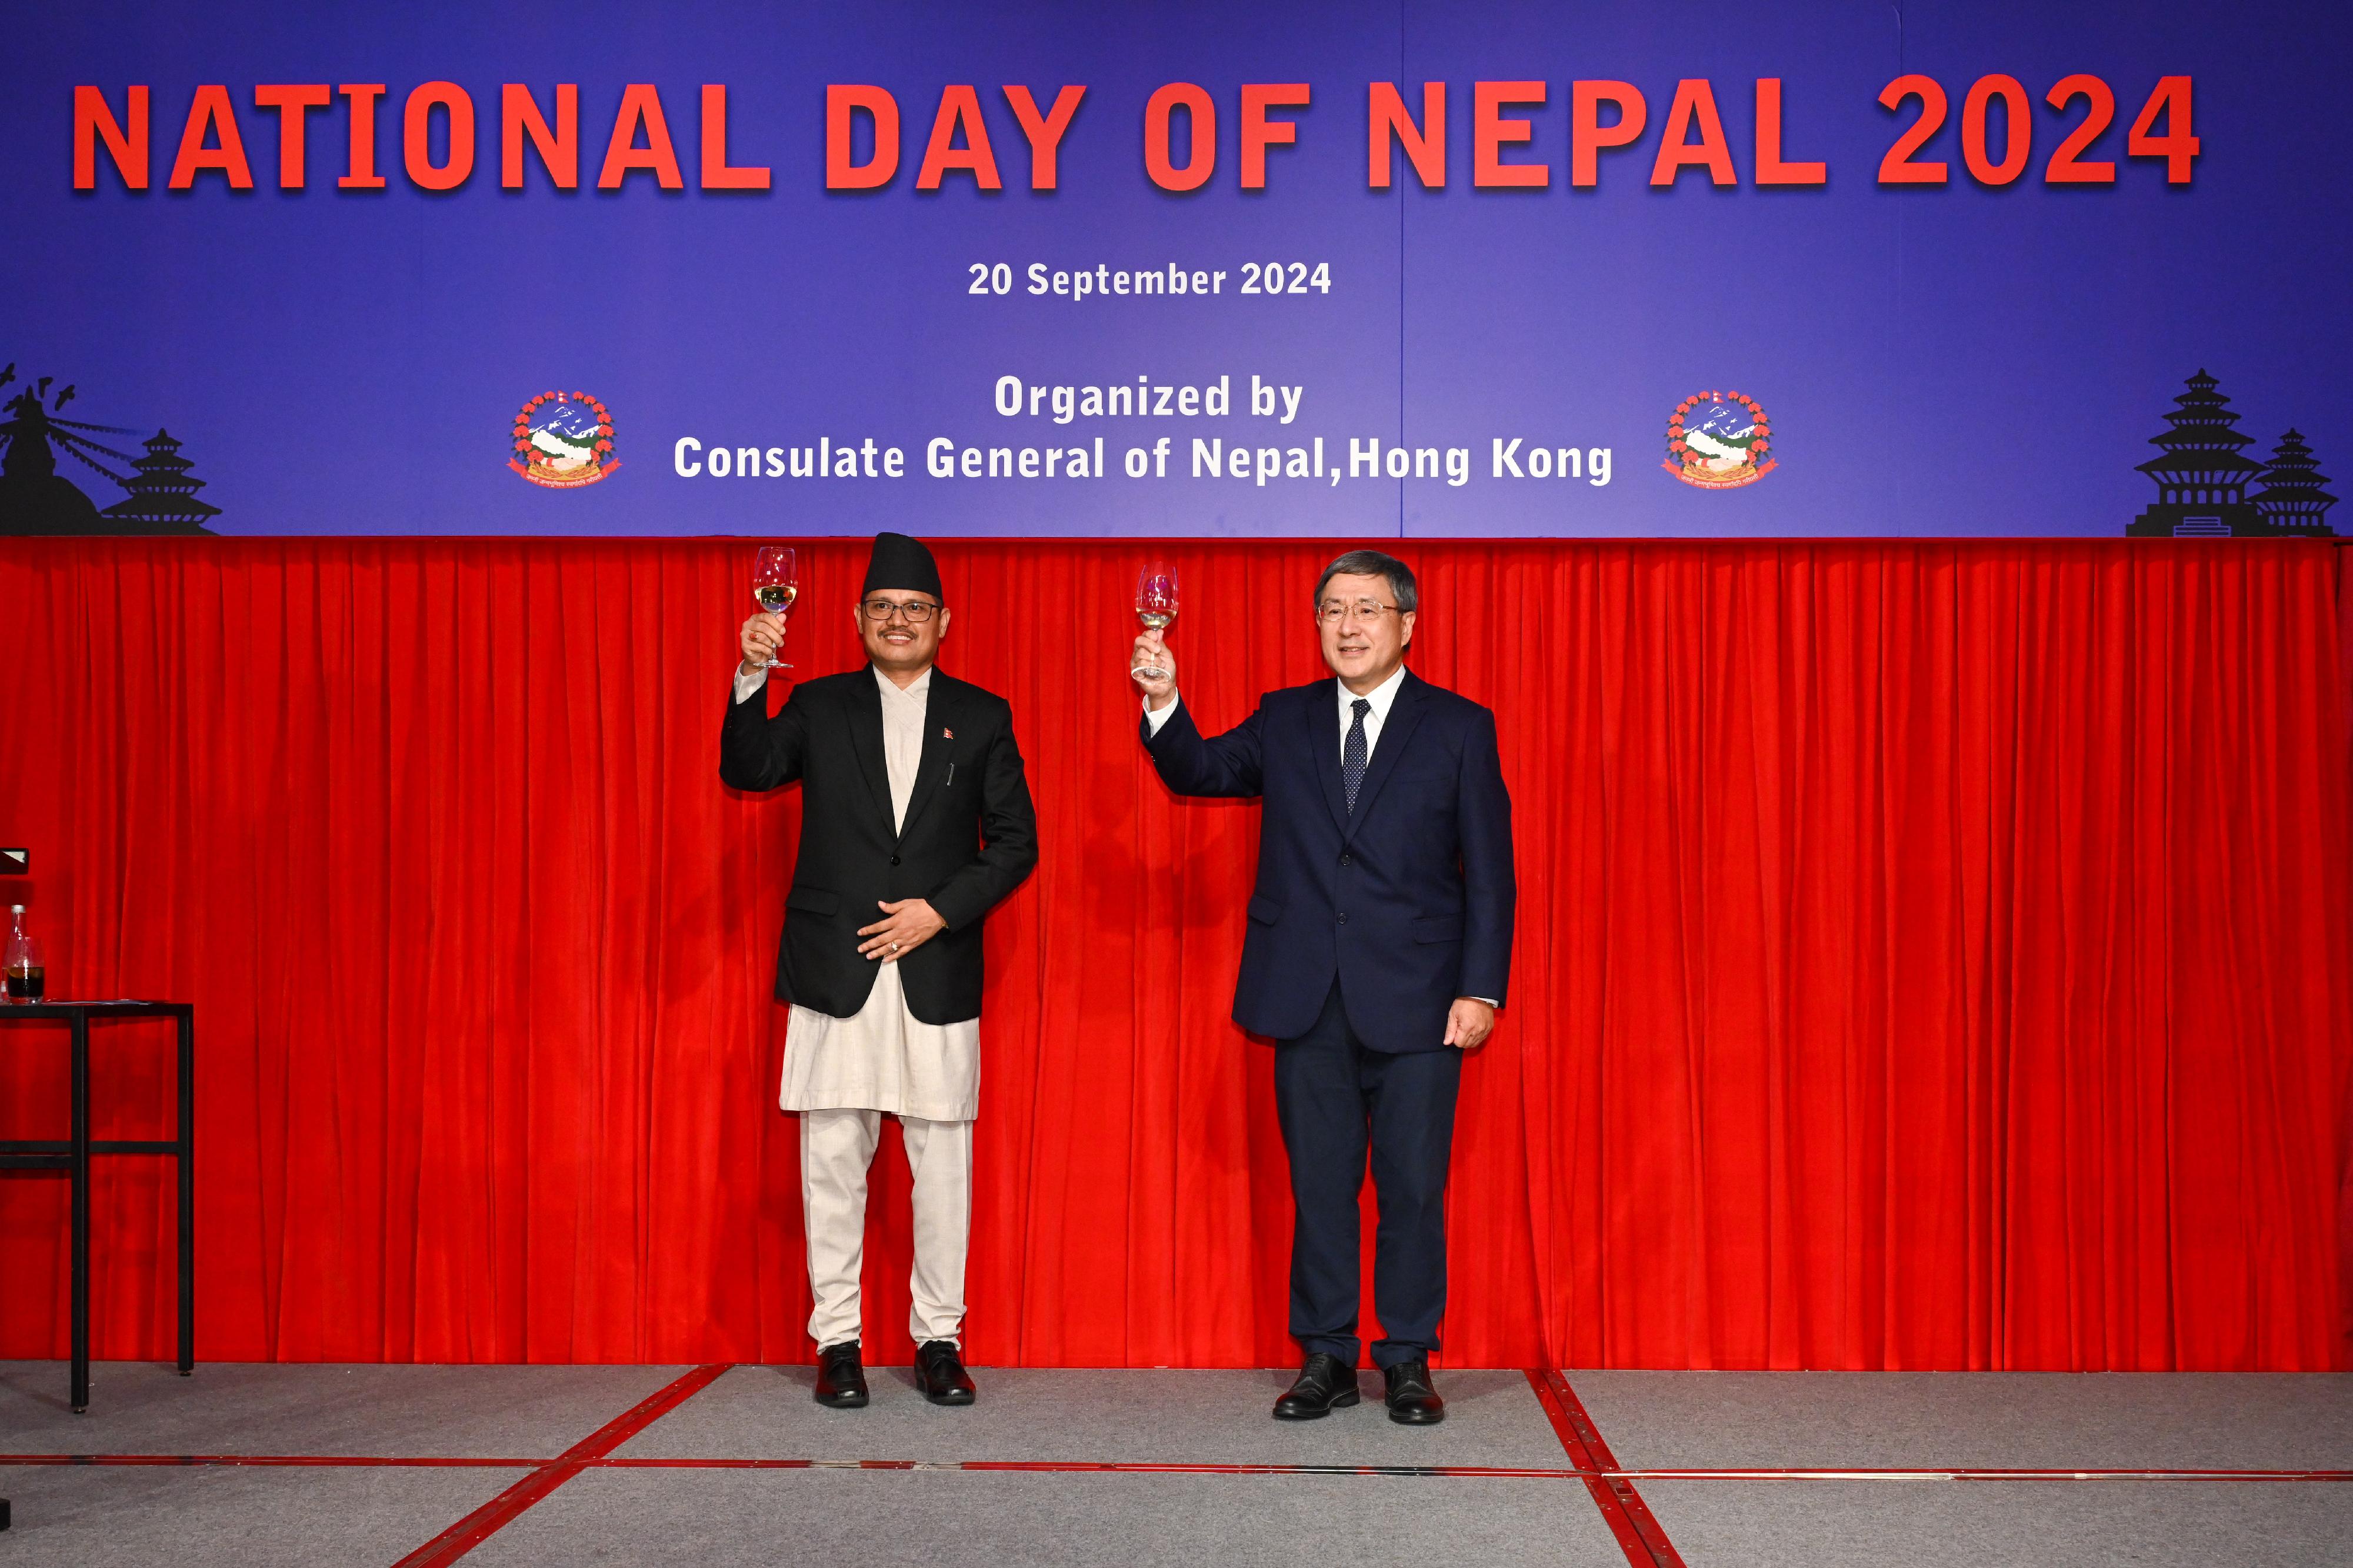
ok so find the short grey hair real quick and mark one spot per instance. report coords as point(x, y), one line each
point(1372, 564)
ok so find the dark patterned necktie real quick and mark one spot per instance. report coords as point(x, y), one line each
point(1353, 753)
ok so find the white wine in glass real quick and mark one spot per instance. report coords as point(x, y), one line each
point(1155, 607)
point(776, 583)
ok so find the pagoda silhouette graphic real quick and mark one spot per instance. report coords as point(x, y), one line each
point(35, 499)
point(2293, 498)
point(162, 497)
point(2201, 476)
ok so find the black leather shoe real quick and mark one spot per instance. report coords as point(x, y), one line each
point(840, 1378)
point(1325, 1384)
point(1413, 1398)
point(939, 1373)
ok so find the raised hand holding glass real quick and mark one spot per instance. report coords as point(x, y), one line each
point(1155, 607)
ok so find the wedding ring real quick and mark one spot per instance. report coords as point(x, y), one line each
point(894, 947)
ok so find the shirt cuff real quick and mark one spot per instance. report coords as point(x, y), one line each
point(745, 685)
point(1489, 1000)
point(1152, 720)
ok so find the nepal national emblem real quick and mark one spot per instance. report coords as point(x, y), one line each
point(1719, 441)
point(563, 440)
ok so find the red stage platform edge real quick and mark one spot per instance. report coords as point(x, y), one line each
point(1931, 954)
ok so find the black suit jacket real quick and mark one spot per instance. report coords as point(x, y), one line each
point(1408, 901)
point(971, 834)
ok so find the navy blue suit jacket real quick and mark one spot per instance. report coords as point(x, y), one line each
point(1408, 901)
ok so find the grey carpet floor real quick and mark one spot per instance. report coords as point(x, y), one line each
point(765, 1411)
point(1010, 1521)
point(227, 1518)
point(1995, 1524)
point(226, 1407)
point(248, 1518)
point(1953, 1419)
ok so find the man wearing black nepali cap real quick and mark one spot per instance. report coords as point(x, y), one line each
point(915, 819)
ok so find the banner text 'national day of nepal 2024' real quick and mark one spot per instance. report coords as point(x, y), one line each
point(1418, 270)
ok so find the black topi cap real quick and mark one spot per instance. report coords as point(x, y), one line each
point(901, 562)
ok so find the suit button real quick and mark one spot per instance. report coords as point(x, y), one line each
point(1344, 920)
point(894, 859)
point(1344, 860)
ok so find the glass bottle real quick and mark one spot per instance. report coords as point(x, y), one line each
point(21, 961)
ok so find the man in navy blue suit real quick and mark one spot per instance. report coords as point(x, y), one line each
point(1379, 940)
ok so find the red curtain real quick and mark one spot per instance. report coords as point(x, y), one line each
point(1930, 954)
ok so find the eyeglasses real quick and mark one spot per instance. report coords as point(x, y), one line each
point(1331, 610)
point(883, 609)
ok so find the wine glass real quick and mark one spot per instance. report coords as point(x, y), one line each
point(1155, 607)
point(776, 583)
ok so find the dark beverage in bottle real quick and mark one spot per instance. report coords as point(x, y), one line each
point(20, 960)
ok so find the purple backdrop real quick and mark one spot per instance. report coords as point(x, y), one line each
point(1957, 360)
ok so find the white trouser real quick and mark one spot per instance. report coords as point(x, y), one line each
point(837, 1146)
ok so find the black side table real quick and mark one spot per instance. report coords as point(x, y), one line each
point(72, 1156)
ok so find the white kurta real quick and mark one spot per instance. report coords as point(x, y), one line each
point(885, 1059)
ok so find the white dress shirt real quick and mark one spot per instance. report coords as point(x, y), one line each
point(1382, 698)
point(903, 737)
